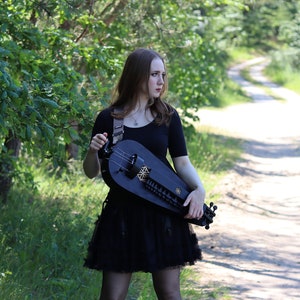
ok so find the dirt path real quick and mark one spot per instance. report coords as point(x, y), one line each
point(253, 248)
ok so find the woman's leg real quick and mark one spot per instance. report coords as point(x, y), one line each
point(167, 284)
point(114, 285)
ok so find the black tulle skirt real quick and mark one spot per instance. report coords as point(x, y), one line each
point(131, 235)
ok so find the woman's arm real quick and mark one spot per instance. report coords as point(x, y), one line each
point(92, 163)
point(189, 175)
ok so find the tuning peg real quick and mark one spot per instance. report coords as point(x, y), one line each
point(214, 207)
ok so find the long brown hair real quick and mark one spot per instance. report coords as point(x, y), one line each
point(135, 73)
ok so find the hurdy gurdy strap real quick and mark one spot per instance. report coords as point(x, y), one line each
point(118, 128)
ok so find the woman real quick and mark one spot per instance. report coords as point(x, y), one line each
point(132, 235)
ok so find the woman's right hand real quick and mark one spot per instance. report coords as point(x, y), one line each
point(97, 142)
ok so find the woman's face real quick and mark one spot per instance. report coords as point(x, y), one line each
point(156, 79)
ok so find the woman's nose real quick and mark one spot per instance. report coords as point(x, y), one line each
point(161, 80)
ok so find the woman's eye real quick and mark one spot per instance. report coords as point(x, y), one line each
point(163, 75)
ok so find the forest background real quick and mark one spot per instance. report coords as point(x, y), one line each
point(59, 62)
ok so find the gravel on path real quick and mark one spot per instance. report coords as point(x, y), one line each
point(252, 248)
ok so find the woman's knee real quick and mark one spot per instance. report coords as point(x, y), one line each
point(115, 285)
point(167, 284)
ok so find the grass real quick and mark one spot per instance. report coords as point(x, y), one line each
point(44, 233)
point(241, 54)
point(229, 94)
point(285, 76)
point(43, 241)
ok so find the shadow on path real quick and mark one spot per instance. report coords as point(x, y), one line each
point(253, 247)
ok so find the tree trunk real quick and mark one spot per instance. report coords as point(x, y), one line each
point(12, 146)
point(114, 9)
point(72, 149)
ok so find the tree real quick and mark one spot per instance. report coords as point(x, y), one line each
point(42, 88)
point(289, 34)
point(59, 61)
point(263, 25)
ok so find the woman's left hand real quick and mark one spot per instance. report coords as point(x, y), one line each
point(195, 200)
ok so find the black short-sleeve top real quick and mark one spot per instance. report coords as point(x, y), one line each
point(159, 139)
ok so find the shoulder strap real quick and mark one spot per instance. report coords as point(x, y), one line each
point(118, 129)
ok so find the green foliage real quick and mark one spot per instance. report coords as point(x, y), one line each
point(48, 82)
point(196, 87)
point(60, 60)
point(289, 35)
point(173, 28)
point(263, 25)
point(36, 88)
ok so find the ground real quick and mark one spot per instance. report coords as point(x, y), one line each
point(252, 249)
